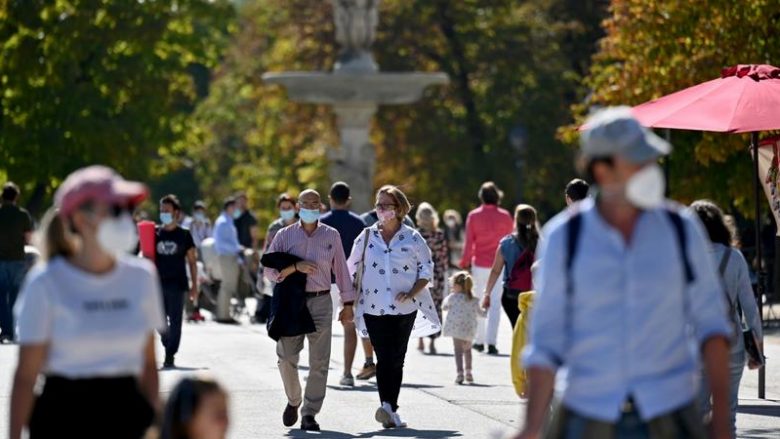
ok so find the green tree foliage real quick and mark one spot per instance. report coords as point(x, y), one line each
point(99, 81)
point(511, 64)
point(653, 48)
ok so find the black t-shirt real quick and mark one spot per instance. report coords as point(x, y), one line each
point(171, 256)
point(244, 224)
point(15, 222)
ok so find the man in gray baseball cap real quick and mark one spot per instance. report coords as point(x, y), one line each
point(622, 278)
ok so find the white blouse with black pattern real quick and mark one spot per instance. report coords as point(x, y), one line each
point(392, 269)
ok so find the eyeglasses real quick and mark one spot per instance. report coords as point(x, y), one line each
point(115, 210)
point(380, 206)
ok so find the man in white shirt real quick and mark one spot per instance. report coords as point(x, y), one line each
point(229, 250)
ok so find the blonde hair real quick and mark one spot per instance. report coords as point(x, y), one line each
point(427, 218)
point(404, 207)
point(465, 281)
point(54, 238)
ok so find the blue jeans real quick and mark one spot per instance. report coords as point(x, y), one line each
point(736, 367)
point(173, 302)
point(11, 276)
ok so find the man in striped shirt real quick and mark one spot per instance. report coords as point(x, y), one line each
point(320, 248)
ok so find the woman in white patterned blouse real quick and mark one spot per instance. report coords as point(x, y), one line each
point(394, 302)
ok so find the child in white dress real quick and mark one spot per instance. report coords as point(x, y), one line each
point(461, 321)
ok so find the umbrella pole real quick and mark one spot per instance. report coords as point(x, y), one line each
point(759, 253)
point(667, 166)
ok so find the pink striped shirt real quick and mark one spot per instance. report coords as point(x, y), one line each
point(323, 247)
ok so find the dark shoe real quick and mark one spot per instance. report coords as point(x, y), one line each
point(228, 321)
point(492, 350)
point(168, 363)
point(309, 424)
point(290, 416)
point(478, 347)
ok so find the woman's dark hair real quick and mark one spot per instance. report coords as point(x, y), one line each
point(10, 191)
point(526, 226)
point(183, 403)
point(712, 217)
point(489, 193)
point(577, 189)
point(284, 197)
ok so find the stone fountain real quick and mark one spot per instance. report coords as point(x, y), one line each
point(355, 88)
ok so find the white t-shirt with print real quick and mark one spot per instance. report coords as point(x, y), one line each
point(95, 325)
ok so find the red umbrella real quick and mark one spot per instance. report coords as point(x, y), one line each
point(745, 99)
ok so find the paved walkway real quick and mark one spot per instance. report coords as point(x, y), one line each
point(243, 358)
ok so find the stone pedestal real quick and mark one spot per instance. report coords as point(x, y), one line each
point(354, 160)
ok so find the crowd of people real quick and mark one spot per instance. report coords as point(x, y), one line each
point(623, 283)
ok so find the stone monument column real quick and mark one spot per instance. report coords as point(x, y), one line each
point(354, 160)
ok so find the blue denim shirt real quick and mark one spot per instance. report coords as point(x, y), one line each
point(636, 325)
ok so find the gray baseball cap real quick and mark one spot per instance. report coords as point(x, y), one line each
point(614, 131)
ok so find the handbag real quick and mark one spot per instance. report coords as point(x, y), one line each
point(358, 284)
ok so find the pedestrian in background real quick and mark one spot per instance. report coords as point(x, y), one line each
point(200, 226)
point(735, 276)
point(288, 214)
point(246, 223)
point(16, 227)
point(626, 288)
point(230, 252)
point(175, 253)
point(394, 303)
point(576, 190)
point(461, 323)
point(197, 408)
point(485, 226)
point(514, 257)
point(349, 225)
point(428, 226)
point(454, 232)
point(87, 317)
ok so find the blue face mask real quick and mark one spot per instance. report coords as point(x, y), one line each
point(199, 216)
point(309, 216)
point(236, 214)
point(288, 214)
point(166, 218)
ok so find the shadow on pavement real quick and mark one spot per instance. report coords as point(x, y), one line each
point(368, 388)
point(411, 433)
point(420, 386)
point(301, 434)
point(760, 410)
point(181, 369)
point(757, 433)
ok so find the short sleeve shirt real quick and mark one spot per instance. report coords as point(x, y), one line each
point(95, 325)
point(15, 222)
point(244, 225)
point(171, 256)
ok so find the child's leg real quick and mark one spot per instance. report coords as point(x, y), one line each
point(467, 354)
point(458, 345)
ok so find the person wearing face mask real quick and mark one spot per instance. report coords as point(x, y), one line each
point(229, 251)
point(393, 267)
point(175, 250)
point(87, 318)
point(287, 215)
point(200, 226)
point(626, 286)
point(321, 252)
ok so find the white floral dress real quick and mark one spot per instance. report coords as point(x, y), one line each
point(392, 269)
point(461, 319)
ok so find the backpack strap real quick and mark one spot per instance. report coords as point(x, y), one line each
point(682, 242)
point(573, 228)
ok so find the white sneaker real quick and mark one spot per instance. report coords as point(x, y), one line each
point(399, 423)
point(385, 415)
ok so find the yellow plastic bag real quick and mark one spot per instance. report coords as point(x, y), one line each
point(519, 339)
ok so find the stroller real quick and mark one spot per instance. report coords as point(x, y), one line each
point(209, 276)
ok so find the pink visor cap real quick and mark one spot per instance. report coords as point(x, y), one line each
point(97, 183)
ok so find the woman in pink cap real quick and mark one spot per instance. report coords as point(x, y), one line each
point(87, 317)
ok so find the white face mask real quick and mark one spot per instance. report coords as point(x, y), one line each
point(118, 235)
point(645, 189)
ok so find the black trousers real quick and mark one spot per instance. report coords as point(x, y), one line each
point(509, 303)
point(91, 408)
point(390, 337)
point(173, 301)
